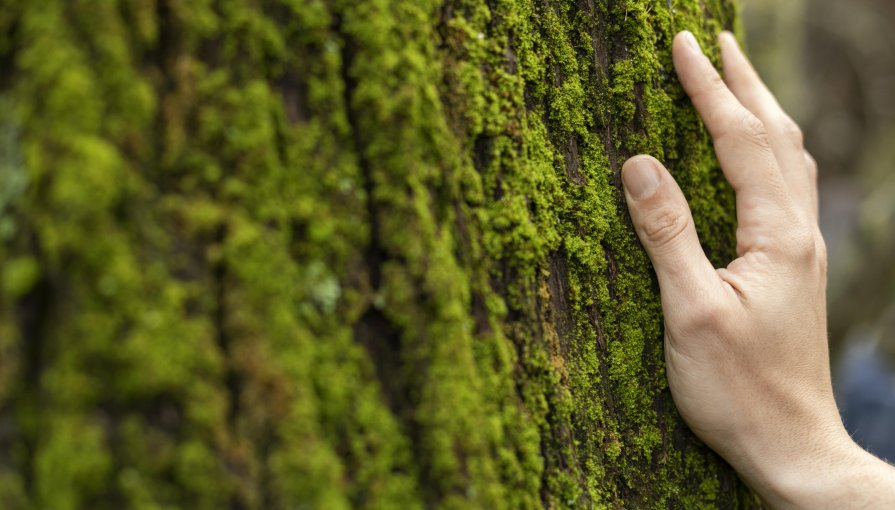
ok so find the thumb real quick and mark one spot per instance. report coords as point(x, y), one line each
point(665, 226)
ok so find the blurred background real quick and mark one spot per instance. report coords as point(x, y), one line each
point(832, 65)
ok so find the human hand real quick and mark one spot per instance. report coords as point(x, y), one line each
point(746, 345)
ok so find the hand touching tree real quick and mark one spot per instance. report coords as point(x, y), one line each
point(746, 345)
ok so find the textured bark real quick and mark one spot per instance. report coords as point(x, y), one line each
point(346, 253)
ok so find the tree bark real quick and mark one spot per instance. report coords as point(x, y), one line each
point(347, 253)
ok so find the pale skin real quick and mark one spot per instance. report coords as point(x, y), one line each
point(746, 345)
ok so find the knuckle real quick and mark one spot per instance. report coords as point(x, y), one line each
point(811, 165)
point(752, 129)
point(792, 132)
point(745, 128)
point(803, 246)
point(665, 226)
point(707, 316)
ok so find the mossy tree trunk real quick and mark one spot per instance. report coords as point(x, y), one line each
point(350, 253)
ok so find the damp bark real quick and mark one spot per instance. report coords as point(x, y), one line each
point(344, 254)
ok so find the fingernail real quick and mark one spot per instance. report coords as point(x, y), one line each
point(641, 177)
point(691, 41)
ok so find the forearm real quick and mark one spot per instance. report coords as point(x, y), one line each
point(840, 476)
point(798, 455)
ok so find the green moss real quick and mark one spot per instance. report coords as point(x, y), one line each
point(296, 253)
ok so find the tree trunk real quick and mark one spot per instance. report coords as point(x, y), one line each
point(281, 254)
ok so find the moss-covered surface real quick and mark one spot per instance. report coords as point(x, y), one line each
point(344, 253)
